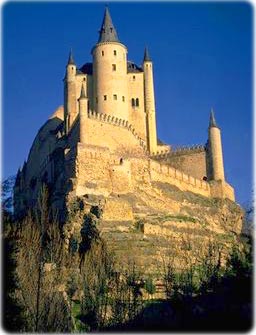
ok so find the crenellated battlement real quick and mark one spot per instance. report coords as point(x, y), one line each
point(179, 150)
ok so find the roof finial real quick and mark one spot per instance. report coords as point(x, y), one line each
point(107, 31)
point(70, 58)
point(82, 94)
point(146, 55)
point(212, 122)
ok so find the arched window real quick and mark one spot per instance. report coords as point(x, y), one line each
point(102, 53)
point(133, 102)
point(137, 102)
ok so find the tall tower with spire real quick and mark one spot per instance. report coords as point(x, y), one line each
point(215, 155)
point(110, 72)
point(149, 103)
point(70, 101)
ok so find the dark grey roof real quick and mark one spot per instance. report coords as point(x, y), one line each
point(107, 31)
point(86, 69)
point(70, 58)
point(79, 72)
point(146, 56)
point(133, 68)
point(82, 94)
point(212, 122)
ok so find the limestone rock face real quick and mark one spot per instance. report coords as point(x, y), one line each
point(158, 222)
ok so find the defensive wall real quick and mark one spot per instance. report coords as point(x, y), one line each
point(191, 160)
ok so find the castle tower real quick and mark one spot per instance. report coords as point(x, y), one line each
point(216, 166)
point(70, 93)
point(110, 72)
point(149, 103)
point(83, 110)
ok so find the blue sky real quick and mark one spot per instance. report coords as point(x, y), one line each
point(202, 54)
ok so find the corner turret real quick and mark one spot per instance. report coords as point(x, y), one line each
point(215, 156)
point(83, 114)
point(149, 103)
point(70, 93)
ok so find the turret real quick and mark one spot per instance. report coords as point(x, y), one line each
point(149, 103)
point(70, 93)
point(215, 157)
point(83, 114)
point(110, 72)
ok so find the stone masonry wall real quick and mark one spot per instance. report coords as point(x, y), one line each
point(116, 134)
point(190, 162)
point(184, 182)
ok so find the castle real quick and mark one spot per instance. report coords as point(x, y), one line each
point(104, 141)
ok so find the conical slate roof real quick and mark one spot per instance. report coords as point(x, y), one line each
point(146, 56)
point(70, 58)
point(212, 122)
point(107, 31)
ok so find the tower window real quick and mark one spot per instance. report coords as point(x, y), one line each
point(102, 53)
point(113, 67)
point(105, 97)
point(115, 97)
point(133, 77)
point(114, 52)
point(96, 100)
point(123, 98)
point(137, 102)
point(133, 102)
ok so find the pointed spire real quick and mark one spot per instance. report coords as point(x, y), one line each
point(212, 122)
point(107, 31)
point(82, 94)
point(146, 56)
point(70, 58)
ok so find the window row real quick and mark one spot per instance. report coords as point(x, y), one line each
point(114, 52)
point(105, 97)
point(134, 101)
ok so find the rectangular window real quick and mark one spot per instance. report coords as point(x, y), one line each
point(115, 97)
point(114, 52)
point(96, 100)
point(123, 98)
point(133, 77)
point(102, 53)
point(113, 67)
point(105, 97)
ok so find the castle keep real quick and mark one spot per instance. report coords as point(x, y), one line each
point(103, 141)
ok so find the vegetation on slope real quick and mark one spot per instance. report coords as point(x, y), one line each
point(55, 285)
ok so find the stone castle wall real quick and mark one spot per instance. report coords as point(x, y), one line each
point(112, 132)
point(190, 160)
point(100, 172)
point(137, 114)
point(185, 182)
